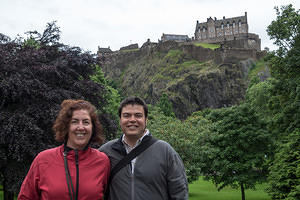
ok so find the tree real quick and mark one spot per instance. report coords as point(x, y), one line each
point(183, 137)
point(285, 31)
point(285, 106)
point(166, 106)
point(113, 101)
point(35, 77)
point(284, 178)
point(233, 153)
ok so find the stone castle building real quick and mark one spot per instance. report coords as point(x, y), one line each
point(177, 38)
point(229, 32)
point(227, 29)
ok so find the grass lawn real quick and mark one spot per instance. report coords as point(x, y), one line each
point(1, 193)
point(204, 190)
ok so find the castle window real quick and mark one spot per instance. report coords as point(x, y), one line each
point(222, 26)
point(233, 24)
point(203, 29)
point(240, 23)
point(227, 24)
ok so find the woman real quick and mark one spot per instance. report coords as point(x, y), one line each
point(73, 170)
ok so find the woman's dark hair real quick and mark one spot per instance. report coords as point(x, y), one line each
point(62, 122)
point(133, 101)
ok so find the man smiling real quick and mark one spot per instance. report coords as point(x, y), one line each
point(156, 173)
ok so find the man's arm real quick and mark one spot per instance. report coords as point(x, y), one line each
point(177, 181)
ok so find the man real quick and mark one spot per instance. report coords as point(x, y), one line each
point(155, 174)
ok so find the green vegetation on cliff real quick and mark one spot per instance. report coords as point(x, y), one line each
point(206, 45)
point(183, 77)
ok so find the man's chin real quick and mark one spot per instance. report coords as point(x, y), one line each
point(131, 133)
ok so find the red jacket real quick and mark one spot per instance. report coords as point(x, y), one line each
point(46, 178)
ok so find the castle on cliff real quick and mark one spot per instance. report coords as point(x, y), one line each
point(229, 32)
point(227, 29)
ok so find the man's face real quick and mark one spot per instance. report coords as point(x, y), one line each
point(133, 121)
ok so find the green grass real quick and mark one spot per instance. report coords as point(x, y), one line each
point(129, 50)
point(205, 190)
point(206, 45)
point(2, 195)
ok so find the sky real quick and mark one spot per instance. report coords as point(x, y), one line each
point(90, 24)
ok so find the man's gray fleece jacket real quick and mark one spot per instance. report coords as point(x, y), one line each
point(158, 173)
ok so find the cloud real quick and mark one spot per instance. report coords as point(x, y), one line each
point(116, 23)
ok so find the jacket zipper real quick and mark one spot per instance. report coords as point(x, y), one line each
point(132, 186)
point(77, 174)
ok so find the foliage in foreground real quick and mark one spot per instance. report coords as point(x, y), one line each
point(36, 75)
point(284, 103)
point(183, 136)
point(284, 175)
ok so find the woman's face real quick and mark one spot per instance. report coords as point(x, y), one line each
point(80, 129)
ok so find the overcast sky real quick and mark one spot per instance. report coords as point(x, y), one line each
point(117, 23)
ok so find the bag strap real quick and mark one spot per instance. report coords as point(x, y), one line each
point(127, 159)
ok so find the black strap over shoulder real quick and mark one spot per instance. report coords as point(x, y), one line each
point(127, 159)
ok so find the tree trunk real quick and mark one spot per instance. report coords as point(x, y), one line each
point(243, 191)
point(8, 195)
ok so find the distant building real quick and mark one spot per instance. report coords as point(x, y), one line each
point(213, 28)
point(227, 29)
point(102, 51)
point(177, 38)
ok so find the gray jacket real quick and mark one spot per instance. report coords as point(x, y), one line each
point(158, 173)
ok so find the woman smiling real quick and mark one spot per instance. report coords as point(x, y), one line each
point(73, 170)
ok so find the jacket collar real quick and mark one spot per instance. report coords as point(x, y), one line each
point(119, 146)
point(71, 152)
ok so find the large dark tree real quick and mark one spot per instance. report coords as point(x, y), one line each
point(36, 75)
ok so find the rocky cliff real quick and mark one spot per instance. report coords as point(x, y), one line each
point(193, 77)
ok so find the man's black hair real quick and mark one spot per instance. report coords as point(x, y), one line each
point(133, 101)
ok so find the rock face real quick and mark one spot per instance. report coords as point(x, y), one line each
point(193, 77)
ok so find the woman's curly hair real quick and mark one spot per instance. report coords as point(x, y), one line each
point(62, 122)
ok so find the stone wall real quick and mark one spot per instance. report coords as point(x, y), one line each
point(228, 53)
point(113, 64)
point(246, 41)
point(233, 55)
point(129, 47)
